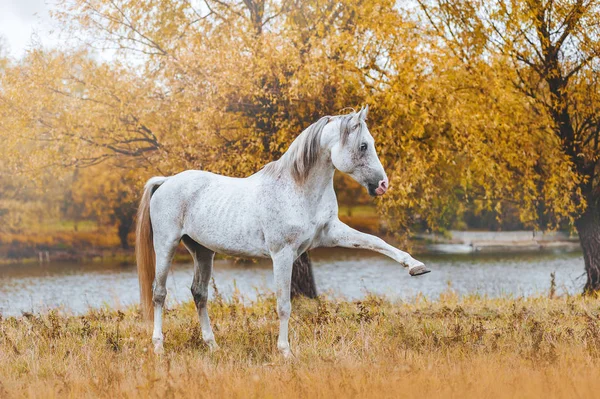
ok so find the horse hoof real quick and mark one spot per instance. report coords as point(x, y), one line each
point(158, 346)
point(287, 354)
point(213, 346)
point(419, 270)
point(159, 350)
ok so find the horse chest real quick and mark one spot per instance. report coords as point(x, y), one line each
point(312, 229)
point(313, 238)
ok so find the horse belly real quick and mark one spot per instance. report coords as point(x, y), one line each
point(227, 224)
point(245, 244)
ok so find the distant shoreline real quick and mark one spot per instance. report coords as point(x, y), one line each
point(501, 241)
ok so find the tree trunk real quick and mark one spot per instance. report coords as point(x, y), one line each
point(303, 281)
point(123, 229)
point(124, 214)
point(125, 221)
point(588, 227)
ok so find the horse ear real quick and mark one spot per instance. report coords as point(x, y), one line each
point(363, 112)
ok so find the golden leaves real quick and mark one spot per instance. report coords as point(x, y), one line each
point(461, 123)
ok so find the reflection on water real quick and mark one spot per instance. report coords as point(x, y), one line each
point(341, 273)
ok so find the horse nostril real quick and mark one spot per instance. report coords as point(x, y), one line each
point(382, 187)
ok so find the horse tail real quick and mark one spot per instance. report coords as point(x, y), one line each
point(144, 248)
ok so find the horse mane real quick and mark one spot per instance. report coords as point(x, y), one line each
point(303, 153)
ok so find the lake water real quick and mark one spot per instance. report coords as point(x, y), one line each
point(340, 273)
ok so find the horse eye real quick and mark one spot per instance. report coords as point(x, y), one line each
point(363, 147)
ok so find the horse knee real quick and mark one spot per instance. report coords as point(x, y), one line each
point(284, 309)
point(200, 295)
point(159, 295)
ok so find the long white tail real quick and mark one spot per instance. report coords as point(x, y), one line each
point(144, 248)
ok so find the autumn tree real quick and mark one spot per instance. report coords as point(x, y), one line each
point(235, 82)
point(550, 51)
point(224, 89)
point(107, 193)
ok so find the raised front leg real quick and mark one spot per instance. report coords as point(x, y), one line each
point(282, 272)
point(338, 234)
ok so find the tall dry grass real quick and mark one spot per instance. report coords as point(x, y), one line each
point(468, 347)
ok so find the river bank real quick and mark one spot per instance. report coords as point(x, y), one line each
point(499, 241)
point(61, 242)
point(103, 245)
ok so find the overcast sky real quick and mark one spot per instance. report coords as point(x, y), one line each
point(25, 21)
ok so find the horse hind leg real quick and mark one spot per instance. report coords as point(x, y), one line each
point(203, 264)
point(164, 249)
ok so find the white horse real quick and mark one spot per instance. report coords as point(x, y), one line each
point(280, 212)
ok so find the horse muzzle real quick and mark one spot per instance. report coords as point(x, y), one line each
point(380, 188)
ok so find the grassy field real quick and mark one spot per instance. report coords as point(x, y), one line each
point(456, 347)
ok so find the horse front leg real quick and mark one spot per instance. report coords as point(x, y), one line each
point(282, 272)
point(338, 234)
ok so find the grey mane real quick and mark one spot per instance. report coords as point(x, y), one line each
point(303, 153)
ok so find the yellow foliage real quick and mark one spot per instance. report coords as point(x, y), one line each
point(464, 114)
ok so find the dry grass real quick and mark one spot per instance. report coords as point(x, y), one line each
point(471, 347)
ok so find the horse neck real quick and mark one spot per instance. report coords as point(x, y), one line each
point(320, 177)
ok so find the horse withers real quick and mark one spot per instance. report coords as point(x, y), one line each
point(285, 209)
